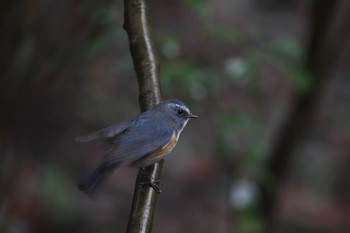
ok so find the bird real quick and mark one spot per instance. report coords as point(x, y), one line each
point(138, 142)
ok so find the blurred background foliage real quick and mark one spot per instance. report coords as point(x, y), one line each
point(269, 80)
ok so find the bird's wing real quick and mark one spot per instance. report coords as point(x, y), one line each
point(135, 143)
point(107, 132)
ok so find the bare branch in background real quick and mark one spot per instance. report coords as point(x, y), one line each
point(324, 47)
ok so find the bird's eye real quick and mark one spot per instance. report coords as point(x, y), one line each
point(180, 112)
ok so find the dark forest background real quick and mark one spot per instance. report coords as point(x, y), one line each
point(269, 80)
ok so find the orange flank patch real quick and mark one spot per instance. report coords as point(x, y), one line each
point(158, 154)
point(166, 148)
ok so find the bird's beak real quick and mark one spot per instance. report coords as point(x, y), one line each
point(192, 116)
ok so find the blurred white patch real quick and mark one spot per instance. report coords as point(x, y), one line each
point(242, 194)
point(236, 67)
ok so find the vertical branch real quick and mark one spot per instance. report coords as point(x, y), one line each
point(142, 50)
point(147, 68)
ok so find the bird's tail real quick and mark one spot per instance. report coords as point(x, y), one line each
point(92, 184)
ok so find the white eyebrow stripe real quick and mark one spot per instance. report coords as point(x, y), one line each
point(179, 106)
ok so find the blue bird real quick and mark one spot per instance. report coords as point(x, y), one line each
point(138, 142)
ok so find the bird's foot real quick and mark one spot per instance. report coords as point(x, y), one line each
point(146, 180)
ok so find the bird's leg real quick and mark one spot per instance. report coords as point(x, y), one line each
point(146, 180)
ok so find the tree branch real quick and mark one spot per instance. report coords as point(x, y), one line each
point(147, 68)
point(144, 56)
